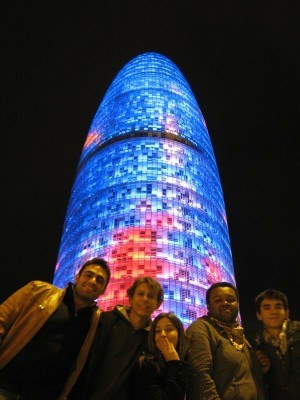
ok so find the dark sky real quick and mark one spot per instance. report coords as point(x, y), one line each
point(242, 64)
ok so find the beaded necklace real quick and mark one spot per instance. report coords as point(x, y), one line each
point(234, 333)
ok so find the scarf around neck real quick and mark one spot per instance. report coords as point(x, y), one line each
point(279, 343)
point(234, 333)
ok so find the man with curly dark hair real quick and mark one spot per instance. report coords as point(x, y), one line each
point(46, 334)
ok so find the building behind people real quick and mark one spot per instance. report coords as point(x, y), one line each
point(121, 338)
point(162, 373)
point(46, 334)
point(279, 339)
point(222, 362)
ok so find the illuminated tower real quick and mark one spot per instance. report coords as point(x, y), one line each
point(147, 195)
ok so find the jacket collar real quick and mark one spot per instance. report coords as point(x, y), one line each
point(124, 311)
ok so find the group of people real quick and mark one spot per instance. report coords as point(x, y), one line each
point(57, 344)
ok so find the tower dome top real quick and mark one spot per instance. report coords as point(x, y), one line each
point(149, 94)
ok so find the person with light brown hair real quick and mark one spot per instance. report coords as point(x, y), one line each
point(121, 338)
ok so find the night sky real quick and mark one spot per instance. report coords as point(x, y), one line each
point(242, 64)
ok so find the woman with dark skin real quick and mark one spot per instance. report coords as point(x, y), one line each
point(162, 373)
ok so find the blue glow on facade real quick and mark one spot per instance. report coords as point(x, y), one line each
point(147, 195)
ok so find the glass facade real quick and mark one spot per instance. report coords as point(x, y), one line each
point(147, 195)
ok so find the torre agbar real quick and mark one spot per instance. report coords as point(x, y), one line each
point(147, 195)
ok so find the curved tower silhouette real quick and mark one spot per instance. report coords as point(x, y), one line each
point(147, 195)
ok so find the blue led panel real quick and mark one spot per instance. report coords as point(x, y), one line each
point(147, 195)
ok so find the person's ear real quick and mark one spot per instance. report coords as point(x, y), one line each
point(287, 313)
point(76, 277)
point(258, 316)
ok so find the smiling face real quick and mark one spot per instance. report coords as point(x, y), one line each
point(165, 329)
point(223, 304)
point(272, 313)
point(143, 302)
point(91, 283)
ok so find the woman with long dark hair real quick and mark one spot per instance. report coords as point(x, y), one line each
point(162, 373)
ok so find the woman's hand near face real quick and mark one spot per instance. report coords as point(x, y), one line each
point(167, 348)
